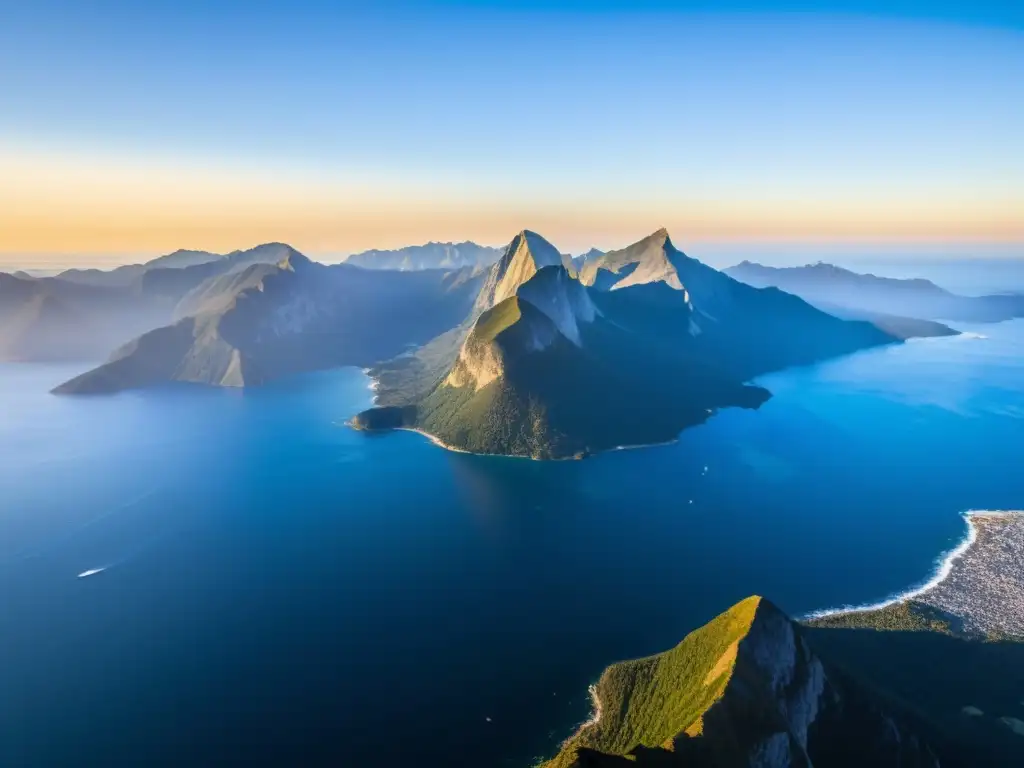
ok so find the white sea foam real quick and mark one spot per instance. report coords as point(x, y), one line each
point(943, 568)
point(595, 714)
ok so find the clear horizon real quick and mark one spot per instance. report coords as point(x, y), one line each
point(132, 132)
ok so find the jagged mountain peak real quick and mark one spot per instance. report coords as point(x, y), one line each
point(548, 304)
point(653, 259)
point(266, 252)
point(531, 247)
point(523, 257)
point(659, 234)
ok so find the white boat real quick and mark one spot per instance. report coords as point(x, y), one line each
point(91, 572)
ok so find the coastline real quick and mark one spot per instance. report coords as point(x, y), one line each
point(441, 444)
point(595, 714)
point(590, 722)
point(965, 582)
point(374, 386)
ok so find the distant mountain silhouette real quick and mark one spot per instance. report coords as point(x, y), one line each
point(264, 320)
point(84, 314)
point(428, 256)
point(827, 285)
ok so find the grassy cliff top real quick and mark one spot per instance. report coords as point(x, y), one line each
point(650, 701)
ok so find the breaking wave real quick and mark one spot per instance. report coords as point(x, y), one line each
point(943, 567)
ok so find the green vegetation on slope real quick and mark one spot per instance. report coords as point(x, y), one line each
point(497, 319)
point(753, 683)
point(905, 616)
point(650, 701)
point(564, 401)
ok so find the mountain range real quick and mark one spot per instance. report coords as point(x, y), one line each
point(266, 320)
point(538, 355)
point(125, 275)
point(643, 343)
point(428, 256)
point(82, 315)
point(834, 288)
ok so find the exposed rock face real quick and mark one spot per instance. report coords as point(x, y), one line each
point(527, 254)
point(705, 292)
point(784, 706)
point(651, 260)
point(529, 299)
point(513, 328)
point(564, 300)
point(481, 358)
point(778, 705)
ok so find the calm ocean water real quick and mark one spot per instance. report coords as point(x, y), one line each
point(280, 589)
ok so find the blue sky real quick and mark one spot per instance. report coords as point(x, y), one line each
point(341, 126)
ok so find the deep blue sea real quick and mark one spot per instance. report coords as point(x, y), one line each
point(279, 589)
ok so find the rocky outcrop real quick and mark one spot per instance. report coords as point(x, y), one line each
point(526, 255)
point(771, 703)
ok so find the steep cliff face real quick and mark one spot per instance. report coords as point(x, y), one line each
point(548, 304)
point(561, 298)
point(744, 691)
point(526, 255)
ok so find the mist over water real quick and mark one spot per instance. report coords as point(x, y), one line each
point(280, 588)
